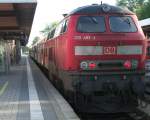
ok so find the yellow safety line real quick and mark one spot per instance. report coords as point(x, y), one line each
point(2, 90)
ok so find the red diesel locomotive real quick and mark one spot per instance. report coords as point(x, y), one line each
point(96, 56)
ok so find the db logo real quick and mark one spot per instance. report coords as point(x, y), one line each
point(109, 50)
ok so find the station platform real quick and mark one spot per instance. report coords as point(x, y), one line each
point(26, 94)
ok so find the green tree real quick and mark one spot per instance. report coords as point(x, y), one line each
point(144, 11)
point(140, 7)
point(132, 5)
point(47, 28)
point(35, 40)
point(25, 49)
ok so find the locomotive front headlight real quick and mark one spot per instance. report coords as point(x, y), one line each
point(129, 50)
point(127, 64)
point(83, 65)
point(130, 64)
point(92, 65)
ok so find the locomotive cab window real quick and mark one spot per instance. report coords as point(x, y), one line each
point(122, 24)
point(91, 24)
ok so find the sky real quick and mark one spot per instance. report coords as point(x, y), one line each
point(48, 11)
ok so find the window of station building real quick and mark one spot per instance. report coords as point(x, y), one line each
point(91, 24)
point(122, 24)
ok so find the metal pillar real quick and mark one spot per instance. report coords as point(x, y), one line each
point(4, 56)
point(7, 57)
point(18, 51)
point(2, 65)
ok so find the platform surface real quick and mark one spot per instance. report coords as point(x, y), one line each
point(26, 94)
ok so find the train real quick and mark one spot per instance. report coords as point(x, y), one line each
point(96, 57)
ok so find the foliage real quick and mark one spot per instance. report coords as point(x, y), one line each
point(144, 11)
point(131, 4)
point(25, 49)
point(140, 7)
point(47, 28)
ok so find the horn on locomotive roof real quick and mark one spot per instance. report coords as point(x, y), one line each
point(106, 7)
point(65, 15)
point(97, 4)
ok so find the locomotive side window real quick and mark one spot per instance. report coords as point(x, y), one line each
point(48, 37)
point(58, 30)
point(91, 24)
point(51, 34)
point(61, 28)
point(122, 24)
point(64, 26)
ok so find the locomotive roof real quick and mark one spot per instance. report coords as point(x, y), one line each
point(103, 8)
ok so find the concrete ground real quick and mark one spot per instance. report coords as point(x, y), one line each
point(26, 94)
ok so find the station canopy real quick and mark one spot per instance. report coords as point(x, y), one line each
point(145, 24)
point(16, 17)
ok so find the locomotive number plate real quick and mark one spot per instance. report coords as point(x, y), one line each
point(109, 50)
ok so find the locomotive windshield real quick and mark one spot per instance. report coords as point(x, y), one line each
point(122, 24)
point(95, 24)
point(91, 24)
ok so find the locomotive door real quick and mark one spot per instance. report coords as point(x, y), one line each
point(46, 58)
point(51, 58)
point(59, 45)
point(57, 52)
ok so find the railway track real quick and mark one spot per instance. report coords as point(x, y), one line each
point(120, 116)
point(136, 115)
point(141, 113)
